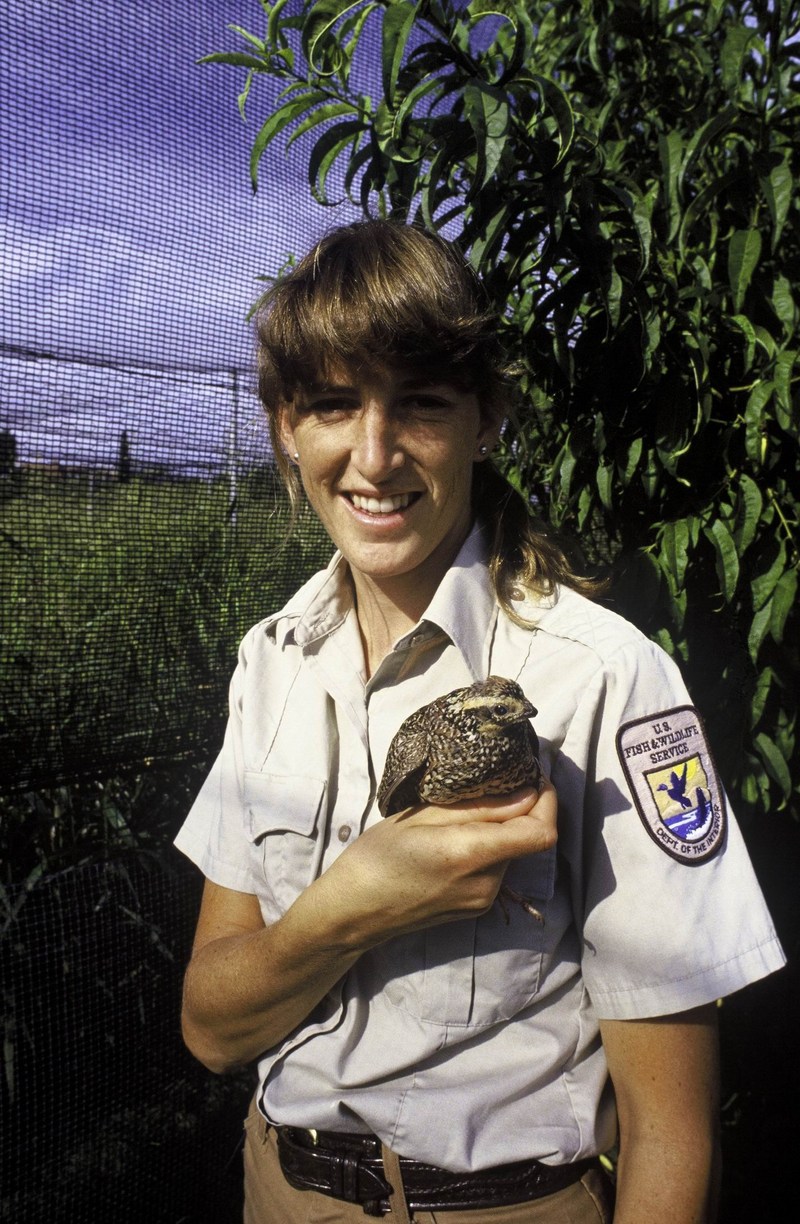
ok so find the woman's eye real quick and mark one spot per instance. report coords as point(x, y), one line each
point(325, 407)
point(426, 403)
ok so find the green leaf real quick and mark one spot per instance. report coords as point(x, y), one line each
point(287, 112)
point(754, 421)
point(354, 166)
point(560, 108)
point(489, 238)
point(774, 763)
point(398, 21)
point(269, 130)
point(256, 42)
point(605, 484)
point(406, 107)
point(749, 505)
point(585, 502)
point(238, 59)
point(670, 149)
point(631, 463)
point(749, 333)
point(651, 474)
point(325, 152)
point(778, 188)
point(706, 135)
point(674, 553)
point(764, 583)
point(274, 15)
point(783, 389)
point(783, 303)
point(566, 469)
point(782, 603)
point(760, 695)
point(520, 23)
point(758, 631)
point(732, 55)
point(325, 53)
point(241, 100)
point(727, 560)
point(331, 110)
point(486, 110)
point(744, 251)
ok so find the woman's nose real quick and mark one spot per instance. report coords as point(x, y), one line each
point(377, 450)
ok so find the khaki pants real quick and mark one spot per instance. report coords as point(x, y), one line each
point(269, 1199)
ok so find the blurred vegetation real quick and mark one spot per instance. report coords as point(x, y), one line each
point(123, 606)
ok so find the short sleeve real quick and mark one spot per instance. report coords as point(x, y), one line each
point(673, 916)
point(212, 835)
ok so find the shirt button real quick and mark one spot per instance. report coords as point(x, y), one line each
point(344, 833)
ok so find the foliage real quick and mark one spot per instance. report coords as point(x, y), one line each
point(123, 604)
point(622, 174)
point(91, 966)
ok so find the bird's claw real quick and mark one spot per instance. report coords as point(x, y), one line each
point(513, 895)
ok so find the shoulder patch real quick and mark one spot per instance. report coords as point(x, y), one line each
point(674, 783)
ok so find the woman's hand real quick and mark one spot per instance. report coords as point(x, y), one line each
point(248, 986)
point(434, 864)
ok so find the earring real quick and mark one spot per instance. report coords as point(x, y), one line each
point(296, 456)
point(483, 450)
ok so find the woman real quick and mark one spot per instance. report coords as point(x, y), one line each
point(422, 1050)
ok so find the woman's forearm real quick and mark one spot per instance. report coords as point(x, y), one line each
point(248, 986)
point(244, 992)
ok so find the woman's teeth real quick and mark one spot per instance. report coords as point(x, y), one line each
point(381, 505)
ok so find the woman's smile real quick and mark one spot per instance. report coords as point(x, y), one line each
point(386, 458)
point(381, 505)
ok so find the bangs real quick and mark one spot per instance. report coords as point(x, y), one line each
point(377, 293)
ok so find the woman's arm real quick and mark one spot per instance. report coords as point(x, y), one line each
point(665, 1073)
point(248, 985)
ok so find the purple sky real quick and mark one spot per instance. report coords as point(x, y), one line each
point(130, 230)
point(129, 224)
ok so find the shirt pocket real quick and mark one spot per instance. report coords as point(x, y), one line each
point(475, 972)
point(282, 818)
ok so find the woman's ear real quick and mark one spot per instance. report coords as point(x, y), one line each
point(285, 430)
point(492, 419)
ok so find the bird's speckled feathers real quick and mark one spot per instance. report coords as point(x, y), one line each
point(473, 741)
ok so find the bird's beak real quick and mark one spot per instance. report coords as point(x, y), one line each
point(530, 710)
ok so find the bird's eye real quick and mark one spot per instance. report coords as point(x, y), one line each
point(501, 710)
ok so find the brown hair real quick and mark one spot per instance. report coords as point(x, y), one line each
point(382, 291)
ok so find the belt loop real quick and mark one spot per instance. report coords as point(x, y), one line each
point(394, 1176)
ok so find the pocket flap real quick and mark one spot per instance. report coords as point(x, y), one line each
point(280, 803)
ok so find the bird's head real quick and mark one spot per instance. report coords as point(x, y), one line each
point(497, 703)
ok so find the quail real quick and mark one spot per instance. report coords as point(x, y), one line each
point(472, 742)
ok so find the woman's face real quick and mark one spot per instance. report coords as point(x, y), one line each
point(386, 459)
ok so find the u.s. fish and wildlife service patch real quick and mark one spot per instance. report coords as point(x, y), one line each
point(674, 783)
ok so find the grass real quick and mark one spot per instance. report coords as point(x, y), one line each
point(122, 606)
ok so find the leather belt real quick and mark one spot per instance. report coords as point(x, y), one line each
point(350, 1167)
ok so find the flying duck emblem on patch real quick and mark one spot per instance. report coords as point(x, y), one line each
point(674, 783)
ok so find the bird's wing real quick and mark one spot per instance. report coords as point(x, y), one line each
point(406, 762)
point(533, 740)
point(403, 793)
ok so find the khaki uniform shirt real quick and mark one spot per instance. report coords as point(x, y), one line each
point(476, 1042)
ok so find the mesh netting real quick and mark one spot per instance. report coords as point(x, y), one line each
point(141, 530)
point(104, 1115)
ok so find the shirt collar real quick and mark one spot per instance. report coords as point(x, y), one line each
point(319, 607)
point(463, 607)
